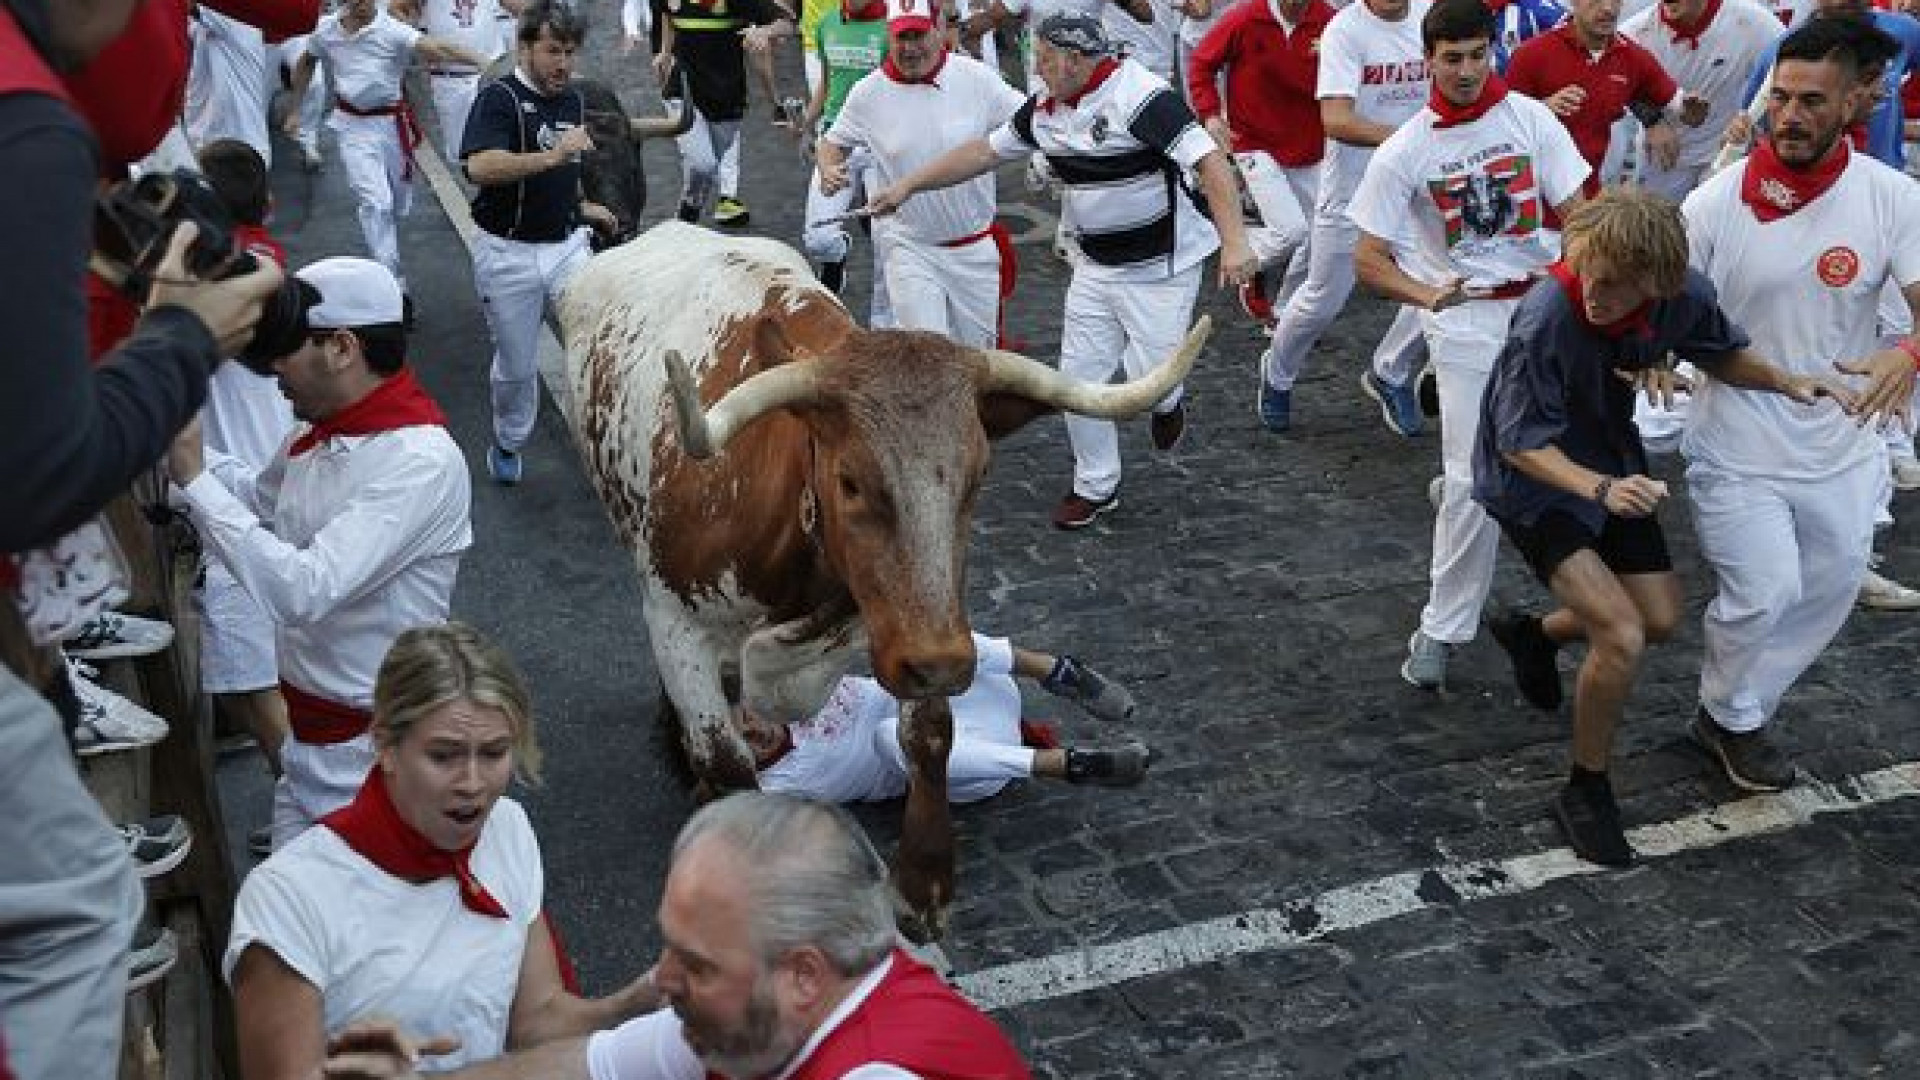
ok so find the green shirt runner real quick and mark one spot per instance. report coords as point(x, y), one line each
point(849, 50)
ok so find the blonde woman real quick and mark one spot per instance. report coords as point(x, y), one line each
point(421, 899)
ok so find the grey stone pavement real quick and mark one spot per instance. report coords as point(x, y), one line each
point(1256, 593)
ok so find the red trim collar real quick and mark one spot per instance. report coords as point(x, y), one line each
point(1772, 190)
point(1688, 34)
point(398, 402)
point(1448, 114)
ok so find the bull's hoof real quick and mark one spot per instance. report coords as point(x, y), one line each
point(923, 922)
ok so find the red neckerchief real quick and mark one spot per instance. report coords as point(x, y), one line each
point(1858, 135)
point(1772, 190)
point(254, 238)
point(1688, 34)
point(932, 77)
point(398, 402)
point(1102, 71)
point(373, 827)
point(1633, 322)
point(1447, 114)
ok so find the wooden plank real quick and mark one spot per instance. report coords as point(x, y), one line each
point(187, 1008)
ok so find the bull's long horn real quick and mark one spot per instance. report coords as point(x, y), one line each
point(706, 432)
point(1012, 373)
point(666, 127)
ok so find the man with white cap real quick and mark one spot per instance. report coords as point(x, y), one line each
point(1123, 143)
point(350, 535)
point(943, 255)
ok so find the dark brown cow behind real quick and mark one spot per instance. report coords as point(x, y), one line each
point(837, 515)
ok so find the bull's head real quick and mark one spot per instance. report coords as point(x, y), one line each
point(612, 173)
point(899, 424)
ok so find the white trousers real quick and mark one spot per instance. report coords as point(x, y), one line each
point(1318, 300)
point(376, 171)
point(954, 291)
point(709, 159)
point(1282, 196)
point(1466, 542)
point(825, 239)
point(315, 781)
point(1131, 325)
point(453, 94)
point(986, 750)
point(1788, 556)
point(516, 283)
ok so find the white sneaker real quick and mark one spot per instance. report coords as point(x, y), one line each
point(1906, 474)
point(108, 721)
point(155, 950)
point(113, 636)
point(1885, 594)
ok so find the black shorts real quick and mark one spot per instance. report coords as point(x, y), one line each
point(1626, 545)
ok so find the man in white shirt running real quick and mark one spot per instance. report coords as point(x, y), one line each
point(1451, 216)
point(942, 254)
point(1709, 47)
point(352, 534)
point(1799, 241)
point(474, 25)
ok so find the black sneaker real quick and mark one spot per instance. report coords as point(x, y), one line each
point(1427, 386)
point(1121, 766)
point(690, 212)
point(1532, 653)
point(1169, 427)
point(1591, 821)
point(834, 275)
point(158, 844)
point(1749, 758)
point(1092, 691)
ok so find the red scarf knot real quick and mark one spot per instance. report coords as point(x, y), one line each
point(930, 79)
point(1688, 33)
point(1448, 114)
point(1634, 323)
point(1102, 71)
point(372, 826)
point(1773, 190)
point(398, 402)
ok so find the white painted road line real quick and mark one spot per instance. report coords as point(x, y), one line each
point(1351, 907)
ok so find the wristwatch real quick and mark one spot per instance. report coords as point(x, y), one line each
point(1600, 490)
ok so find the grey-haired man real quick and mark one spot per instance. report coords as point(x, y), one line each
point(1123, 144)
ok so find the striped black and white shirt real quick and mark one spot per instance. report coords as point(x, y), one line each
point(1124, 149)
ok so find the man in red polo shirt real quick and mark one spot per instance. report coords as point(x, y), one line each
point(1270, 52)
point(1588, 75)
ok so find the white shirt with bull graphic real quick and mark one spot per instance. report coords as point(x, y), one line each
point(1470, 200)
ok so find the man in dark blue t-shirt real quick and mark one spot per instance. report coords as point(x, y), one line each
point(522, 148)
point(1560, 466)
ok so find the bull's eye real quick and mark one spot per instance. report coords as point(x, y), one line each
point(849, 487)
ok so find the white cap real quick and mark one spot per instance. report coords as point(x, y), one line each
point(910, 15)
point(353, 293)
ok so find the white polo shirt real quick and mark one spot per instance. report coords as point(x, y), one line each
point(1717, 69)
point(367, 66)
point(1806, 288)
point(905, 125)
point(1380, 65)
point(228, 83)
point(375, 945)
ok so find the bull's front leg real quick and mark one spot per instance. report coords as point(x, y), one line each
point(923, 869)
point(691, 669)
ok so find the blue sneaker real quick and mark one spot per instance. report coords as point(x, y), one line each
point(1399, 405)
point(503, 465)
point(1276, 407)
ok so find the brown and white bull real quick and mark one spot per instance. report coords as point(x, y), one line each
point(838, 514)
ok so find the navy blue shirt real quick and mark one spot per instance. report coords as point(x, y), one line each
point(1554, 385)
point(509, 115)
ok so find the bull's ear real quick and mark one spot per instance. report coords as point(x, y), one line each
point(1004, 414)
point(771, 346)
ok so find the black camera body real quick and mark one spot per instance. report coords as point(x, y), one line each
point(133, 223)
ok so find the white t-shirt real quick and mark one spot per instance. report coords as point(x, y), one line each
point(228, 85)
point(1469, 200)
point(1805, 288)
point(1380, 65)
point(905, 125)
point(367, 66)
point(474, 24)
point(1149, 44)
point(651, 1047)
point(1717, 70)
point(373, 944)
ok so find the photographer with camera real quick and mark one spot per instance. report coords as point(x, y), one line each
point(71, 438)
point(351, 534)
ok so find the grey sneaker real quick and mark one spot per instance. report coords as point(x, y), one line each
point(158, 844)
point(1121, 766)
point(1098, 695)
point(154, 952)
point(1426, 665)
point(1749, 758)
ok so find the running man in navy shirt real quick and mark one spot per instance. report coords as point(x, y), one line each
point(1560, 466)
